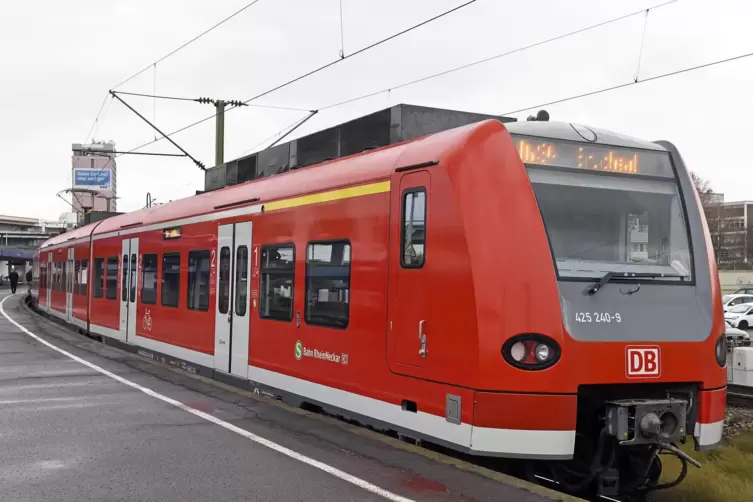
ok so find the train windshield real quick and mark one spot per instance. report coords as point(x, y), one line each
point(609, 210)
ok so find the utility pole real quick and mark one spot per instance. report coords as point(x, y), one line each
point(219, 135)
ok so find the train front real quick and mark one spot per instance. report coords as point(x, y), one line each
point(644, 339)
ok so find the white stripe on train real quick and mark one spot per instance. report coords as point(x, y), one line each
point(480, 440)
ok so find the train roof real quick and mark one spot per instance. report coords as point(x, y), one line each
point(76, 233)
point(359, 168)
point(576, 132)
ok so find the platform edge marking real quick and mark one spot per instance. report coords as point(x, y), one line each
point(210, 418)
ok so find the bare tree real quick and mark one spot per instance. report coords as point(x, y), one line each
point(712, 211)
point(703, 186)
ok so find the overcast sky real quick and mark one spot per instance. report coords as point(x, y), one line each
point(58, 59)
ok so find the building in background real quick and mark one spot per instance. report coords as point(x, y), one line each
point(94, 178)
point(20, 237)
point(731, 228)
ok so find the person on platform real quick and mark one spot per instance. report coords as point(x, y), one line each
point(29, 277)
point(13, 280)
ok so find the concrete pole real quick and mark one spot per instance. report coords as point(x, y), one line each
point(219, 149)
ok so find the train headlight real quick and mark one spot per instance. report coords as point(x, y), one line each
point(531, 351)
point(721, 350)
point(542, 352)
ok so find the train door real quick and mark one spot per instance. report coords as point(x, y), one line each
point(48, 282)
point(231, 331)
point(409, 327)
point(128, 287)
point(69, 270)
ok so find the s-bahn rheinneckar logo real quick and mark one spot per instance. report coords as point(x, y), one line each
point(298, 350)
point(643, 361)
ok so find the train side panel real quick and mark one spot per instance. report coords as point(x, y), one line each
point(80, 285)
point(105, 287)
point(164, 316)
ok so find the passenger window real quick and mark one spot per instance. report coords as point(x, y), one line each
point(133, 277)
point(241, 280)
point(124, 285)
point(328, 284)
point(77, 278)
point(170, 279)
point(413, 233)
point(198, 280)
point(224, 282)
point(99, 277)
point(111, 290)
point(149, 279)
point(84, 276)
point(277, 279)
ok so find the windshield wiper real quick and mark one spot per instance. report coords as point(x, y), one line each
point(610, 276)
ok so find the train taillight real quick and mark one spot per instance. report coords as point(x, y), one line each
point(721, 350)
point(531, 351)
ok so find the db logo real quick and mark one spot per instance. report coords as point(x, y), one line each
point(643, 361)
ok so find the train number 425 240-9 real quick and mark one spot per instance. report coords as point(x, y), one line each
point(597, 317)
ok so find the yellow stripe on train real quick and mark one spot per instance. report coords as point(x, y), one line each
point(342, 193)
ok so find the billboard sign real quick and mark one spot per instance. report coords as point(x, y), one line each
point(94, 179)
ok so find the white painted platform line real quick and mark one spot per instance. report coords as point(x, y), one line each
point(206, 416)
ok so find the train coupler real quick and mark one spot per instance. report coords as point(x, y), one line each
point(647, 421)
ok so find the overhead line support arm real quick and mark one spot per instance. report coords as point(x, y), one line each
point(198, 163)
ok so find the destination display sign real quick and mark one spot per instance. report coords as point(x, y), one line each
point(548, 152)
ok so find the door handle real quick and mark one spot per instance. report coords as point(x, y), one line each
point(421, 339)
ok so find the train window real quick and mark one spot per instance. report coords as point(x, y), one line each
point(77, 278)
point(111, 284)
point(99, 277)
point(413, 234)
point(223, 302)
point(277, 279)
point(124, 284)
point(328, 284)
point(84, 276)
point(198, 280)
point(241, 280)
point(133, 277)
point(149, 279)
point(64, 276)
point(170, 279)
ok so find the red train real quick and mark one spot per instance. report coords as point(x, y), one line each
point(534, 290)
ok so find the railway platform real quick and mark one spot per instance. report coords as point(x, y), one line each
point(86, 421)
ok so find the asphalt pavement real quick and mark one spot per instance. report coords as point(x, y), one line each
point(112, 426)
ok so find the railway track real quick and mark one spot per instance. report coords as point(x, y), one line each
point(739, 395)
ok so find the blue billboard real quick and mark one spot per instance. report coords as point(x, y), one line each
point(92, 178)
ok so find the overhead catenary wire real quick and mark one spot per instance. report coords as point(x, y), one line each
point(633, 83)
point(96, 119)
point(342, 34)
point(181, 98)
point(497, 56)
point(278, 133)
point(317, 70)
point(186, 44)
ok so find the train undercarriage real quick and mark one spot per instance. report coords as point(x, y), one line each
point(620, 441)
